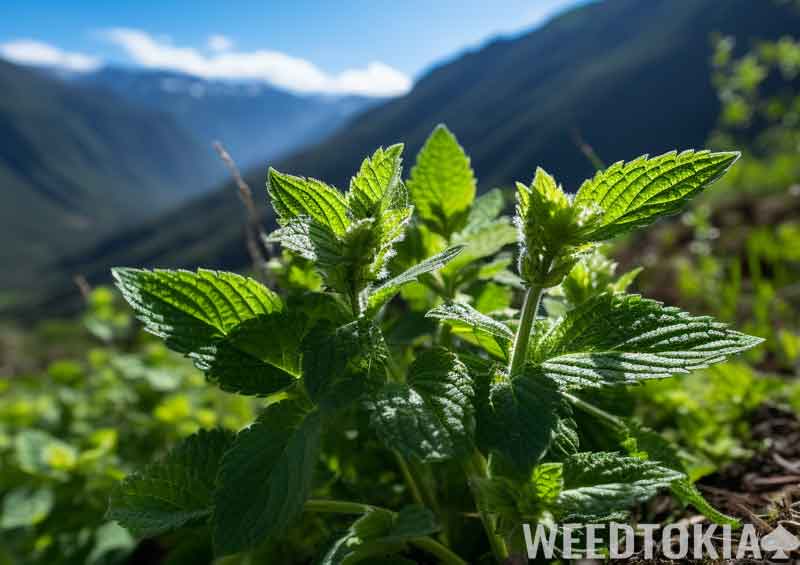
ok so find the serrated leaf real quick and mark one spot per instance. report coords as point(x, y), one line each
point(24, 507)
point(476, 328)
point(550, 229)
point(521, 419)
point(340, 364)
point(296, 197)
point(520, 500)
point(382, 294)
point(378, 534)
point(648, 444)
point(432, 416)
point(259, 357)
point(615, 338)
point(191, 310)
point(634, 194)
point(265, 477)
point(442, 184)
point(374, 188)
point(484, 210)
point(174, 492)
point(599, 485)
point(566, 441)
point(351, 261)
point(482, 242)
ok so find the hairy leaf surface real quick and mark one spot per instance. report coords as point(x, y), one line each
point(616, 338)
point(174, 492)
point(265, 477)
point(442, 184)
point(295, 197)
point(522, 419)
point(374, 188)
point(190, 310)
point(340, 364)
point(599, 485)
point(474, 327)
point(432, 417)
point(634, 194)
point(385, 292)
point(649, 444)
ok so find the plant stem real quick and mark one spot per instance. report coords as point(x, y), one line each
point(416, 492)
point(338, 507)
point(475, 468)
point(529, 309)
point(435, 548)
point(610, 419)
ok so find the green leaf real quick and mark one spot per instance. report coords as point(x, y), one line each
point(174, 492)
point(340, 364)
point(374, 188)
point(432, 417)
point(112, 544)
point(25, 506)
point(476, 328)
point(566, 441)
point(484, 210)
point(39, 453)
point(648, 444)
point(355, 258)
point(265, 477)
point(379, 534)
point(599, 485)
point(295, 197)
point(227, 324)
point(192, 310)
point(634, 194)
point(550, 229)
point(259, 357)
point(615, 339)
point(442, 184)
point(482, 242)
point(493, 297)
point(521, 420)
point(382, 294)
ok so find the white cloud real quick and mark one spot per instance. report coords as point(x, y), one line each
point(219, 43)
point(279, 69)
point(32, 52)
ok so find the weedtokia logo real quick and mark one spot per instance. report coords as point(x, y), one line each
point(673, 541)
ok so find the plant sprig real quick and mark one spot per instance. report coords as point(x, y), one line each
point(495, 391)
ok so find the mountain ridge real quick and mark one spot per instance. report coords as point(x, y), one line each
point(625, 76)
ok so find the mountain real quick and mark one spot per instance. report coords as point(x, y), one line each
point(76, 163)
point(255, 121)
point(625, 76)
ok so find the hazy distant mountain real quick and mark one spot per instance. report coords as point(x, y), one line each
point(255, 121)
point(627, 76)
point(77, 163)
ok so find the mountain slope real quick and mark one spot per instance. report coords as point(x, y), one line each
point(255, 121)
point(627, 76)
point(76, 164)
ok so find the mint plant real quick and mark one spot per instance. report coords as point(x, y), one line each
point(488, 403)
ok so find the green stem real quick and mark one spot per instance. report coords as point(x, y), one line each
point(475, 468)
point(346, 507)
point(416, 492)
point(435, 548)
point(338, 507)
point(529, 309)
point(593, 410)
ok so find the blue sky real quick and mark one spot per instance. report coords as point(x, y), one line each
point(367, 47)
